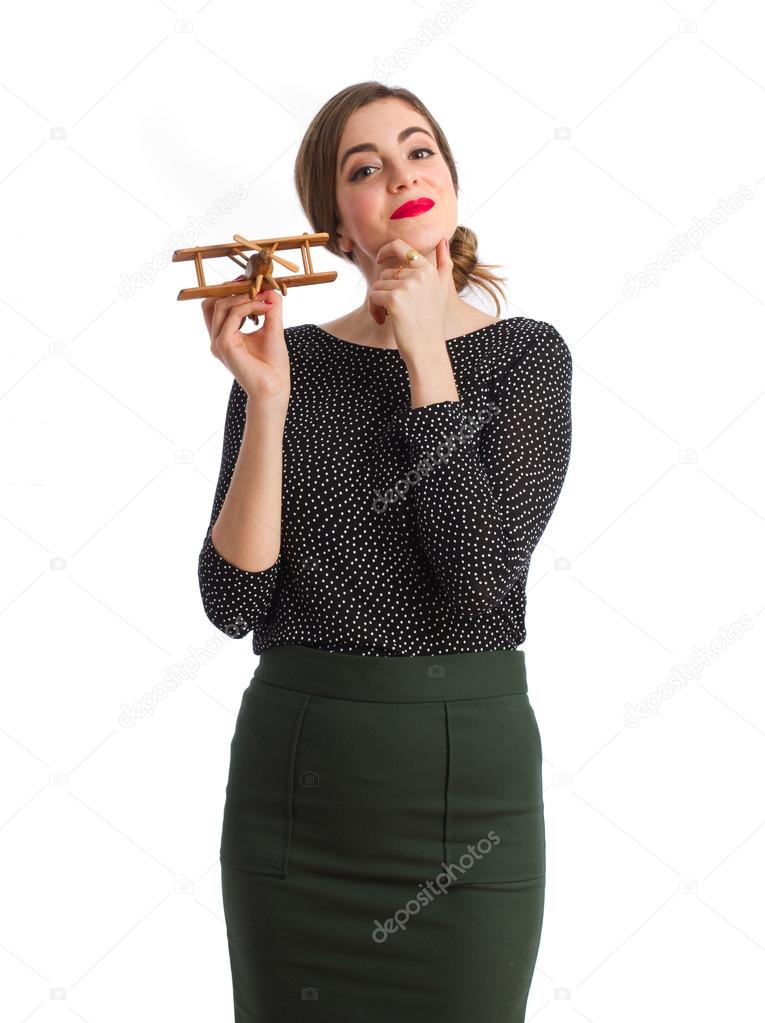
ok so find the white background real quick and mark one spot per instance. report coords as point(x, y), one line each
point(595, 142)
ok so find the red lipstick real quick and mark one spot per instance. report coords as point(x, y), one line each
point(412, 208)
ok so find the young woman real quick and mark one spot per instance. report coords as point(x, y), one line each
point(385, 479)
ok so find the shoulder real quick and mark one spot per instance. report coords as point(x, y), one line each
point(298, 329)
point(301, 337)
point(534, 345)
point(528, 339)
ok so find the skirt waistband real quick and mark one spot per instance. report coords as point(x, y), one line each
point(416, 679)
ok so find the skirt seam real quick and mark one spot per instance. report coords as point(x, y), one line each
point(291, 786)
point(446, 785)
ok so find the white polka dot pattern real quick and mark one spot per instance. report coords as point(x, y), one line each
point(392, 544)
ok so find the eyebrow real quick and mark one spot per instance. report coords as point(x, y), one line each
point(370, 147)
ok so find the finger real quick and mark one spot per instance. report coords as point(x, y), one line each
point(395, 249)
point(223, 307)
point(380, 300)
point(207, 312)
point(238, 314)
point(274, 311)
point(211, 302)
point(391, 257)
point(443, 255)
point(377, 314)
point(386, 286)
point(389, 273)
point(253, 315)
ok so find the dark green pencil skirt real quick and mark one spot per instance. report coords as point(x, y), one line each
point(383, 841)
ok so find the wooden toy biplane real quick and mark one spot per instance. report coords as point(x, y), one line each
point(258, 268)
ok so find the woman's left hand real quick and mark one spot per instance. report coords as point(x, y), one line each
point(416, 300)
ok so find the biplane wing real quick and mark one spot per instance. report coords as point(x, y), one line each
point(303, 242)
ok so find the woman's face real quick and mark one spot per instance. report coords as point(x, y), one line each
point(372, 184)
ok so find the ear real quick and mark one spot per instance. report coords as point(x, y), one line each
point(342, 242)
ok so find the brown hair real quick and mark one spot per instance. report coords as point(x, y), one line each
point(315, 169)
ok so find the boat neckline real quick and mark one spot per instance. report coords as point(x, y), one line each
point(377, 348)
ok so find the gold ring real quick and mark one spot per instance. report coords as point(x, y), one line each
point(397, 271)
point(411, 255)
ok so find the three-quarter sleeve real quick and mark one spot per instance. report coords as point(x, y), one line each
point(235, 600)
point(484, 497)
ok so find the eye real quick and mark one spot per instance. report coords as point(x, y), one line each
point(366, 166)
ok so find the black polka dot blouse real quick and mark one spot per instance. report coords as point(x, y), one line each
point(404, 531)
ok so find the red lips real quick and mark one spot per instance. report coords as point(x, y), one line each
point(412, 208)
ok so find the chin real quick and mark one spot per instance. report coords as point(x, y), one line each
point(428, 236)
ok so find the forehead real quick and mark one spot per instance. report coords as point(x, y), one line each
point(379, 124)
point(382, 115)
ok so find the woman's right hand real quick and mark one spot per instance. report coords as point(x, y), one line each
point(259, 360)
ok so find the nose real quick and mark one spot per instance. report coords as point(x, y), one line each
point(404, 175)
